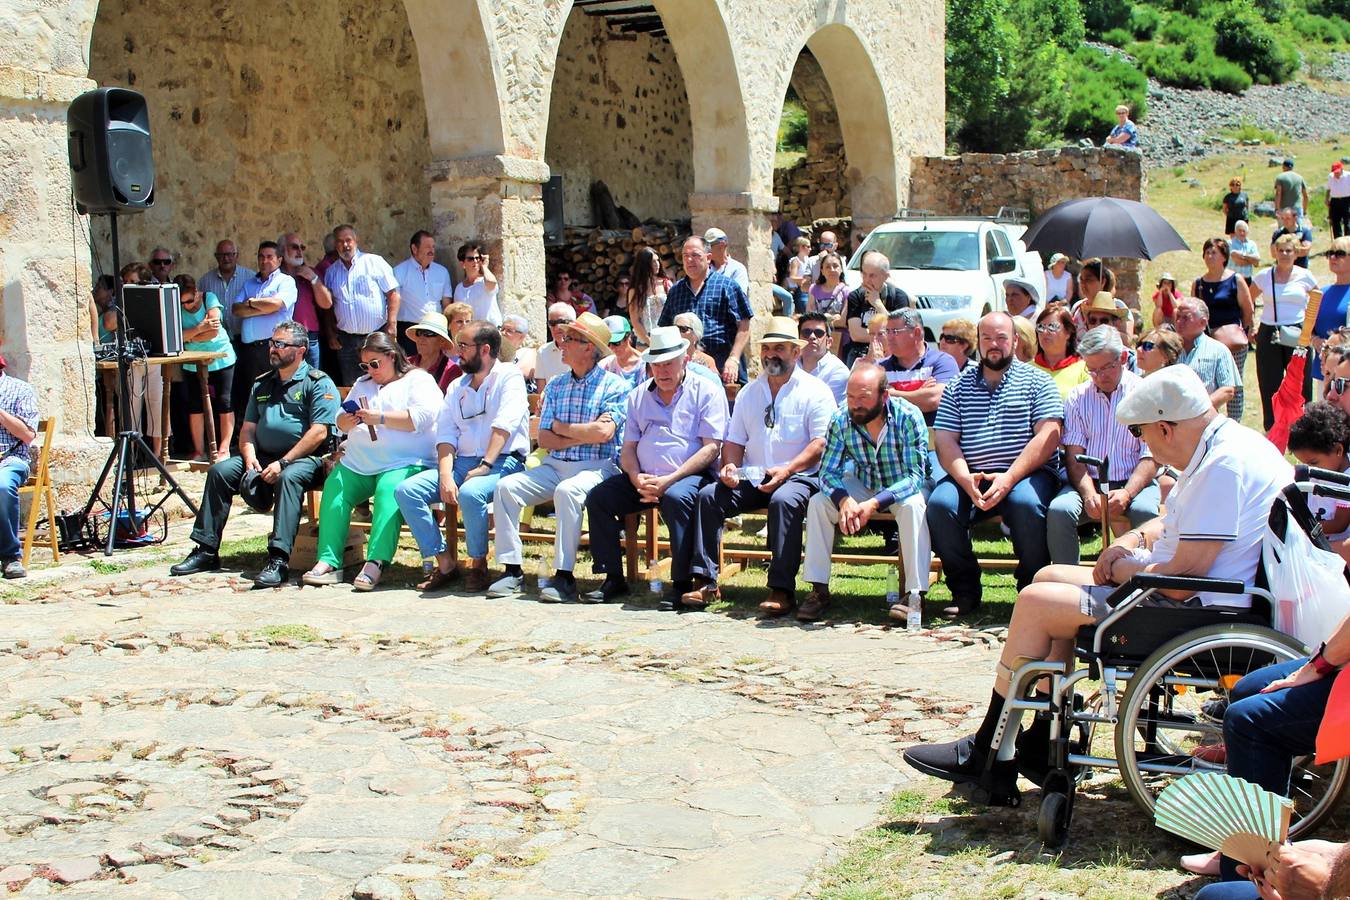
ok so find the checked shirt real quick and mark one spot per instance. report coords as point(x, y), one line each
point(896, 465)
point(579, 401)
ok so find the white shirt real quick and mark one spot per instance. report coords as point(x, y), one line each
point(468, 416)
point(1291, 300)
point(737, 272)
point(1061, 287)
point(831, 370)
point(359, 292)
point(1338, 187)
point(483, 301)
point(1225, 494)
point(548, 363)
point(417, 393)
point(803, 409)
point(277, 286)
point(420, 290)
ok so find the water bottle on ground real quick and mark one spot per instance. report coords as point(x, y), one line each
point(656, 586)
point(914, 620)
point(892, 586)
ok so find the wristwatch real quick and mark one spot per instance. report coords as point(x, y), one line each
point(283, 462)
point(314, 280)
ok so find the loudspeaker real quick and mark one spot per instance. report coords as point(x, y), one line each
point(112, 169)
point(553, 210)
point(153, 315)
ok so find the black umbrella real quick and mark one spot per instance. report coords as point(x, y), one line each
point(1103, 226)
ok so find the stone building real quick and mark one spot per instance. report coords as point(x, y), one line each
point(297, 114)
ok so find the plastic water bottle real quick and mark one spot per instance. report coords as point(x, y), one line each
point(914, 621)
point(656, 586)
point(752, 474)
point(892, 586)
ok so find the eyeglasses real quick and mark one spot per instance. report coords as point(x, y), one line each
point(1136, 430)
point(952, 339)
point(685, 329)
point(573, 339)
point(1337, 254)
point(465, 348)
point(770, 416)
point(161, 262)
point(1097, 373)
point(1148, 345)
point(1100, 320)
point(558, 323)
point(810, 333)
point(895, 331)
point(1049, 328)
point(282, 345)
point(1337, 385)
point(371, 366)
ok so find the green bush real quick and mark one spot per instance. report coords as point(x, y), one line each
point(1321, 29)
point(1144, 21)
point(1272, 10)
point(1103, 15)
point(1244, 37)
point(792, 126)
point(1117, 37)
point(1056, 21)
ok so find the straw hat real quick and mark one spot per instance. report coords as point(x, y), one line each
point(1104, 302)
point(666, 344)
point(592, 328)
point(782, 329)
point(434, 324)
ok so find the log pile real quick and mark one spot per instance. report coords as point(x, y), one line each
point(597, 257)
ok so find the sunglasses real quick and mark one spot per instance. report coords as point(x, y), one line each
point(161, 262)
point(1138, 430)
point(770, 416)
point(1337, 254)
point(282, 345)
point(952, 339)
point(222, 255)
point(685, 329)
point(480, 259)
point(810, 333)
point(1148, 345)
point(1101, 320)
point(371, 366)
point(1337, 385)
point(558, 323)
point(1049, 328)
point(296, 247)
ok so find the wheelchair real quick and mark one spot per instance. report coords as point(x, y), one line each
point(1165, 677)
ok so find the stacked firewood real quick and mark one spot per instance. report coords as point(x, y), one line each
point(598, 257)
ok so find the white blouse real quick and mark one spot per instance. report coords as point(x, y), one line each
point(417, 393)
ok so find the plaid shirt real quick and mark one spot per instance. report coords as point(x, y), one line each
point(579, 401)
point(720, 305)
point(17, 399)
point(894, 469)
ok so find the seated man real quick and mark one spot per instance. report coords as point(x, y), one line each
point(672, 435)
point(885, 439)
point(1090, 427)
point(816, 358)
point(291, 412)
point(483, 435)
point(1211, 360)
point(580, 424)
point(772, 449)
point(997, 432)
point(915, 371)
point(18, 429)
point(1216, 516)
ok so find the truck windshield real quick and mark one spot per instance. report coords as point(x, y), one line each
point(958, 250)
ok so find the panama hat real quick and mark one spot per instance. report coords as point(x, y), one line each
point(782, 329)
point(665, 345)
point(592, 328)
point(433, 323)
point(1104, 302)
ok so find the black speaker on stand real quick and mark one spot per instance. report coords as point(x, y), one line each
point(113, 172)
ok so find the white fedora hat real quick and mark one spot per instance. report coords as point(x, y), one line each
point(666, 344)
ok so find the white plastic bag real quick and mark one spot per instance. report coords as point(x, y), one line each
point(1311, 593)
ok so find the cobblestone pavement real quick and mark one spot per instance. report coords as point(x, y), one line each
point(199, 739)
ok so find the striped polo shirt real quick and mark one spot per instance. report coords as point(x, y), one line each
point(996, 425)
point(1090, 422)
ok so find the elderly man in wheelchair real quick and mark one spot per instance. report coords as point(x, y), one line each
point(1186, 573)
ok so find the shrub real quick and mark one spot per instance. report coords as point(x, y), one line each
point(1057, 21)
point(792, 126)
point(1272, 10)
point(1103, 15)
point(1117, 37)
point(1097, 83)
point(1144, 21)
point(1241, 35)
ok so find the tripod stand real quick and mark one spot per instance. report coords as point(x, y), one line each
point(122, 459)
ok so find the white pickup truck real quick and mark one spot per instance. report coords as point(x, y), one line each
point(953, 266)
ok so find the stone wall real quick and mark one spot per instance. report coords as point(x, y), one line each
point(619, 113)
point(813, 188)
point(977, 184)
point(304, 117)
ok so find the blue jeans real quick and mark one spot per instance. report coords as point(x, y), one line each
point(416, 494)
point(1229, 890)
point(312, 354)
point(1264, 732)
point(951, 514)
point(13, 473)
point(1067, 512)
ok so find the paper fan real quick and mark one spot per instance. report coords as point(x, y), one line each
point(1310, 317)
point(1226, 814)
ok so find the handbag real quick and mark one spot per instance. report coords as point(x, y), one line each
point(1285, 335)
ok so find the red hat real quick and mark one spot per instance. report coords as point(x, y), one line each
point(1337, 166)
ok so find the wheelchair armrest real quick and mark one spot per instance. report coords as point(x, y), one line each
point(1328, 490)
point(1186, 583)
point(1312, 473)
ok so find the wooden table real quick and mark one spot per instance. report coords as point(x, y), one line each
point(200, 358)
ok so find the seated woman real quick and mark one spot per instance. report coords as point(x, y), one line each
point(625, 361)
point(957, 340)
point(1215, 518)
point(1057, 349)
point(1159, 349)
point(434, 347)
point(389, 418)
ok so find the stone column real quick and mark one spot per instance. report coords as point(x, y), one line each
point(745, 219)
point(497, 200)
point(44, 268)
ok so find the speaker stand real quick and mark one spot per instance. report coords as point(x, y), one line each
point(122, 459)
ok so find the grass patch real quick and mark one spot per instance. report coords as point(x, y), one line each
point(302, 633)
point(104, 567)
point(1247, 130)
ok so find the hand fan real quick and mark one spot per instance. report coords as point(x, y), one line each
point(1310, 317)
point(1225, 813)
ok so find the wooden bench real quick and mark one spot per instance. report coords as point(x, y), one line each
point(39, 489)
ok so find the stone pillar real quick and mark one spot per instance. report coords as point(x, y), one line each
point(745, 219)
point(44, 268)
point(497, 200)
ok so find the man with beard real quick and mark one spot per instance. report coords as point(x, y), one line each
point(482, 434)
point(886, 440)
point(769, 461)
point(997, 432)
point(292, 411)
point(310, 293)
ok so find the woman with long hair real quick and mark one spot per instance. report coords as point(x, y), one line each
point(647, 290)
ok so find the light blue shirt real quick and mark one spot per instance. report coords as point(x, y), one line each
point(213, 283)
point(277, 286)
point(1246, 248)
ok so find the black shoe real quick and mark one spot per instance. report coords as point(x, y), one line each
point(613, 587)
point(962, 762)
point(199, 560)
point(274, 574)
point(1033, 751)
point(960, 606)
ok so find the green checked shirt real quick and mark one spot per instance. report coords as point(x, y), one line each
point(893, 469)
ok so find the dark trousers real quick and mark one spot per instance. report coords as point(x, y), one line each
point(615, 497)
point(720, 354)
point(1338, 209)
point(1271, 361)
point(951, 514)
point(252, 362)
point(222, 484)
point(787, 515)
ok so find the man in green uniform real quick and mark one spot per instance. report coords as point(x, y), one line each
point(291, 413)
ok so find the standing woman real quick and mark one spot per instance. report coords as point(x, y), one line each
point(200, 313)
point(798, 280)
point(479, 286)
point(1235, 204)
point(1335, 309)
point(1231, 312)
point(1287, 286)
point(647, 290)
point(390, 422)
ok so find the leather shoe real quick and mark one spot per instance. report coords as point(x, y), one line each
point(701, 596)
point(274, 574)
point(613, 587)
point(199, 560)
point(814, 606)
point(960, 606)
point(778, 603)
point(477, 579)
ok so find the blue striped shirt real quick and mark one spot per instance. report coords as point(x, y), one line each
point(212, 282)
point(580, 401)
point(359, 292)
point(894, 468)
point(720, 305)
point(995, 426)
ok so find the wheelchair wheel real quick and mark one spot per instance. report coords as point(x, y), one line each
point(1163, 722)
point(1052, 821)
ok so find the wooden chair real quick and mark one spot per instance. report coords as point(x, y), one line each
point(39, 489)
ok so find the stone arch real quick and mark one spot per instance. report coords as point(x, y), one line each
point(459, 81)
